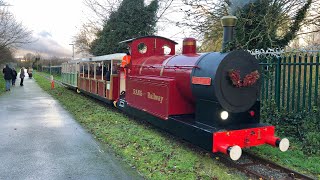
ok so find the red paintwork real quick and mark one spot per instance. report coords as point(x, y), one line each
point(87, 85)
point(243, 138)
point(116, 87)
point(82, 83)
point(101, 89)
point(154, 47)
point(93, 86)
point(156, 95)
point(165, 68)
point(189, 46)
point(107, 93)
point(201, 80)
point(271, 140)
point(177, 67)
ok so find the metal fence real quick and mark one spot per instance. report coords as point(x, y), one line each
point(291, 80)
point(51, 69)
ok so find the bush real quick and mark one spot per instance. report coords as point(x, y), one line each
point(302, 127)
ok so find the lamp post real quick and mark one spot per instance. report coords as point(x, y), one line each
point(72, 50)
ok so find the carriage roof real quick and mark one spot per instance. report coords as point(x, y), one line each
point(109, 57)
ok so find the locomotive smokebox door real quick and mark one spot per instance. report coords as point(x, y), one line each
point(234, 86)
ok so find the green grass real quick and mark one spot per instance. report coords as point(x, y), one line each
point(152, 152)
point(55, 76)
point(2, 84)
point(302, 129)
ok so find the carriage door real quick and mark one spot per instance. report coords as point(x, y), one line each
point(122, 81)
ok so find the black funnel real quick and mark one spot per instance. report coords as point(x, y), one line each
point(228, 23)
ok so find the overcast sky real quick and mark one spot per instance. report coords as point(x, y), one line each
point(55, 22)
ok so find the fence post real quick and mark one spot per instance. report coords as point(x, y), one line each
point(316, 81)
point(278, 78)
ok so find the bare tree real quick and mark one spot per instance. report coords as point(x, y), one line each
point(83, 39)
point(2, 3)
point(99, 11)
point(12, 33)
point(5, 55)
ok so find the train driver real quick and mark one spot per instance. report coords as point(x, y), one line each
point(125, 62)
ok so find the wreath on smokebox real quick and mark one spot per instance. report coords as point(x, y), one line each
point(248, 80)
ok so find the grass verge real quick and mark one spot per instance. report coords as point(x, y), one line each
point(302, 129)
point(2, 84)
point(154, 153)
point(293, 158)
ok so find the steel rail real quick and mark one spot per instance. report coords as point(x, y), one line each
point(256, 167)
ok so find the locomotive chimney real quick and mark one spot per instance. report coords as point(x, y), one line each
point(228, 23)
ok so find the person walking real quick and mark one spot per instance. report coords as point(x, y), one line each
point(7, 72)
point(29, 71)
point(21, 76)
point(14, 76)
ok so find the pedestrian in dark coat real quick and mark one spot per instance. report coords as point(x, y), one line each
point(7, 73)
point(14, 76)
point(21, 76)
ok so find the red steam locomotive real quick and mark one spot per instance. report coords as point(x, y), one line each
point(197, 96)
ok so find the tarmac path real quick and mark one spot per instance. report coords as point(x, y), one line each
point(41, 140)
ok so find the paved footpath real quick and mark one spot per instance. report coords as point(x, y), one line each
point(41, 140)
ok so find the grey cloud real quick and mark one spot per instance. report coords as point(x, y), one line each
point(45, 45)
point(44, 34)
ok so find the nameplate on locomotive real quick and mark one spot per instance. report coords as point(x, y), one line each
point(155, 97)
point(137, 92)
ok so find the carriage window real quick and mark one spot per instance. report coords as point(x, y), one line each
point(142, 48)
point(91, 71)
point(86, 69)
point(106, 71)
point(166, 49)
point(115, 67)
point(98, 69)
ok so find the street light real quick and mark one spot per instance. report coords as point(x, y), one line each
point(72, 50)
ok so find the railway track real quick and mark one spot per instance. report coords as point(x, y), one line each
point(258, 168)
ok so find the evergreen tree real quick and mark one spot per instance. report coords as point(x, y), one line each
point(265, 24)
point(132, 19)
point(261, 23)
